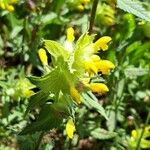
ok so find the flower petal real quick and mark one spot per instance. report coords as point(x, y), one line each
point(102, 43)
point(43, 56)
point(98, 87)
point(70, 128)
point(104, 66)
point(75, 95)
point(70, 34)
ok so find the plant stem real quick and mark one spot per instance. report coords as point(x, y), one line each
point(39, 141)
point(145, 124)
point(92, 18)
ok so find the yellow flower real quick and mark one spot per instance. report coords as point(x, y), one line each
point(90, 67)
point(134, 134)
point(147, 131)
point(70, 34)
point(85, 1)
point(70, 128)
point(104, 66)
point(2, 5)
point(95, 58)
point(13, 1)
point(28, 93)
point(10, 8)
point(43, 56)
point(75, 95)
point(102, 43)
point(98, 87)
point(80, 7)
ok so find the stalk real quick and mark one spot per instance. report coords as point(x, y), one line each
point(145, 124)
point(93, 13)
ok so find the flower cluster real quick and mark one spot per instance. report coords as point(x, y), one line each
point(8, 5)
point(84, 63)
point(135, 135)
point(78, 4)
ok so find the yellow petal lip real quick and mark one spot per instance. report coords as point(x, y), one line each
point(102, 43)
point(70, 128)
point(90, 67)
point(2, 5)
point(70, 34)
point(98, 87)
point(75, 95)
point(85, 1)
point(80, 7)
point(134, 134)
point(43, 56)
point(10, 8)
point(95, 58)
point(104, 66)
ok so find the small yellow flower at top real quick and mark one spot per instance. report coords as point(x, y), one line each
point(104, 66)
point(13, 1)
point(10, 8)
point(80, 7)
point(70, 34)
point(70, 128)
point(147, 132)
point(2, 5)
point(100, 88)
point(43, 56)
point(27, 93)
point(102, 43)
point(75, 94)
point(85, 1)
point(134, 134)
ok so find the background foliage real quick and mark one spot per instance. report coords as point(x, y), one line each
point(127, 104)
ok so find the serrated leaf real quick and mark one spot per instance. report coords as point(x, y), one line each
point(132, 47)
point(134, 72)
point(93, 104)
point(111, 122)
point(140, 51)
point(134, 7)
point(36, 99)
point(102, 134)
point(49, 118)
point(57, 80)
point(56, 49)
point(121, 85)
point(129, 21)
point(52, 115)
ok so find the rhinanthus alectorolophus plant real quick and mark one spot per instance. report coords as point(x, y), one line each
point(67, 79)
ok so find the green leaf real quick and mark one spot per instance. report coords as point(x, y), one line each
point(140, 51)
point(48, 18)
point(121, 85)
point(133, 72)
point(134, 7)
point(57, 80)
point(16, 30)
point(36, 99)
point(111, 122)
point(129, 22)
point(132, 47)
point(102, 134)
point(49, 118)
point(56, 49)
point(52, 115)
point(93, 104)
